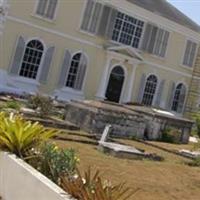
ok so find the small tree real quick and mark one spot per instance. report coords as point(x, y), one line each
point(42, 103)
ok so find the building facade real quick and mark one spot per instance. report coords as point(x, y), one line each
point(119, 50)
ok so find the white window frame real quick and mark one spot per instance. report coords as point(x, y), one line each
point(161, 42)
point(44, 17)
point(41, 62)
point(86, 72)
point(153, 54)
point(133, 36)
point(90, 21)
point(70, 74)
point(186, 94)
point(156, 89)
point(183, 54)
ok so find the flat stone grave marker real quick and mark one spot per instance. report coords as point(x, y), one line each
point(118, 149)
point(122, 151)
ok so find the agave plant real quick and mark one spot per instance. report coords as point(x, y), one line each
point(20, 136)
point(91, 187)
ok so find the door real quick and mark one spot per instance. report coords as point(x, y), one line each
point(115, 84)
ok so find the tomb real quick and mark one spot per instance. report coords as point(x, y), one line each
point(130, 121)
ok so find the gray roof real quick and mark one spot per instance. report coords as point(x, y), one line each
point(165, 9)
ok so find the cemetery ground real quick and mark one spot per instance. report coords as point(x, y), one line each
point(170, 179)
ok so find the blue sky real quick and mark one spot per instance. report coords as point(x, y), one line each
point(189, 7)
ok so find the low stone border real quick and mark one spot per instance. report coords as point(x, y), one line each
point(165, 149)
point(53, 123)
point(20, 181)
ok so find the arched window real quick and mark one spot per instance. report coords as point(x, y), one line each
point(76, 72)
point(179, 98)
point(31, 59)
point(149, 91)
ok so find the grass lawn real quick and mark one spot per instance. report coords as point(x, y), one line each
point(167, 180)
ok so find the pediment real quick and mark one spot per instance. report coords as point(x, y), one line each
point(127, 51)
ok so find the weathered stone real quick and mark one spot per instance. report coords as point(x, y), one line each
point(94, 119)
point(126, 120)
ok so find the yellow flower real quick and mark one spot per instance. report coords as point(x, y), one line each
point(77, 159)
point(56, 148)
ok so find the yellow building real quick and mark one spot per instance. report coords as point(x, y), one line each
point(119, 50)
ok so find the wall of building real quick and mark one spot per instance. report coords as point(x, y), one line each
point(64, 33)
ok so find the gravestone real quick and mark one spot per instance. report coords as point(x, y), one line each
point(105, 133)
point(118, 150)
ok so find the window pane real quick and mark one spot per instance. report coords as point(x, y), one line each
point(73, 70)
point(47, 8)
point(41, 7)
point(127, 30)
point(149, 91)
point(94, 18)
point(87, 15)
point(32, 59)
point(179, 98)
point(51, 9)
point(190, 53)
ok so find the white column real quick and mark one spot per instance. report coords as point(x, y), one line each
point(129, 88)
point(102, 87)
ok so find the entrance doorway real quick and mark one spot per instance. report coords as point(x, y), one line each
point(115, 84)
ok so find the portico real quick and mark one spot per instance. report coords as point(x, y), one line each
point(118, 76)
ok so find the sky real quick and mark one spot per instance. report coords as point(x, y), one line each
point(189, 7)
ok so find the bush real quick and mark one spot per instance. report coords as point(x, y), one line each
point(13, 105)
point(195, 162)
point(52, 161)
point(19, 136)
point(42, 103)
point(171, 135)
point(93, 188)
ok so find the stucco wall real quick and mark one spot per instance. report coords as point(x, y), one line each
point(64, 33)
point(19, 181)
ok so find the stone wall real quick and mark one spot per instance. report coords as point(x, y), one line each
point(127, 121)
point(94, 120)
point(156, 125)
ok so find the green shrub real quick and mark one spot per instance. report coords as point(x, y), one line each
point(166, 136)
point(91, 187)
point(19, 136)
point(13, 105)
point(195, 162)
point(53, 161)
point(171, 135)
point(42, 103)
